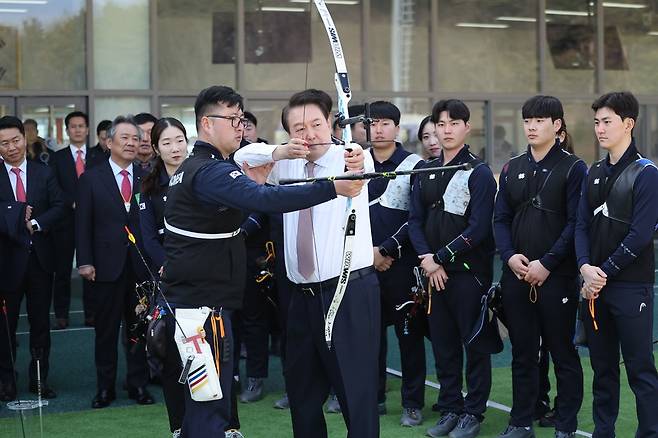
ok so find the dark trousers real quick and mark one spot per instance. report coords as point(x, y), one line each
point(117, 301)
point(395, 285)
point(453, 315)
point(174, 392)
point(625, 317)
point(552, 318)
point(212, 418)
point(65, 246)
point(543, 397)
point(348, 367)
point(255, 325)
point(36, 286)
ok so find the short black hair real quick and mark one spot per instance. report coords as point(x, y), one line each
point(310, 96)
point(73, 114)
point(215, 95)
point(104, 125)
point(251, 117)
point(457, 110)
point(8, 122)
point(30, 122)
point(423, 122)
point(543, 107)
point(623, 103)
point(383, 109)
point(142, 118)
point(356, 110)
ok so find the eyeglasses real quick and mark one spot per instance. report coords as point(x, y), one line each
point(235, 120)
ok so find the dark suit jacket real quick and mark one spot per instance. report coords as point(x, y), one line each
point(64, 166)
point(45, 197)
point(100, 218)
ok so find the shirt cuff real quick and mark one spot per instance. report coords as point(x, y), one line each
point(442, 256)
point(505, 256)
point(583, 261)
point(549, 261)
point(393, 249)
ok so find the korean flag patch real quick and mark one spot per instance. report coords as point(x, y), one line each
point(521, 175)
point(596, 181)
point(235, 174)
point(142, 206)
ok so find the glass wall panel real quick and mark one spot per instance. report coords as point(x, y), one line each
point(631, 46)
point(121, 44)
point(284, 53)
point(487, 46)
point(196, 43)
point(580, 125)
point(110, 107)
point(184, 112)
point(43, 45)
point(508, 137)
point(399, 45)
point(647, 139)
point(268, 114)
point(49, 113)
point(570, 47)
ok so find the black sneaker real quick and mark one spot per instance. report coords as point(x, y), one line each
point(518, 432)
point(444, 426)
point(468, 426)
point(548, 419)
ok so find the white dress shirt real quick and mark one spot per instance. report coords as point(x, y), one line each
point(328, 217)
point(74, 152)
point(12, 176)
point(116, 170)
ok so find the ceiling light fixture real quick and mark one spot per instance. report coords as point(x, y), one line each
point(521, 19)
point(623, 5)
point(570, 13)
point(281, 9)
point(483, 25)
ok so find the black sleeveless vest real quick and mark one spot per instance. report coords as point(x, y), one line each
point(540, 208)
point(611, 201)
point(201, 272)
point(441, 226)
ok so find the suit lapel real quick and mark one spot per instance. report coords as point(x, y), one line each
point(32, 182)
point(6, 193)
point(110, 183)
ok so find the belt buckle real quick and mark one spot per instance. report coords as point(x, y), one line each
point(308, 291)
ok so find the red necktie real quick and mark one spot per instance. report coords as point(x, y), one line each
point(79, 164)
point(126, 187)
point(20, 188)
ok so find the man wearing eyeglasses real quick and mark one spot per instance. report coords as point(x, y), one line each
point(205, 251)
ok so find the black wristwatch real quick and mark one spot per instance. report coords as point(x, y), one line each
point(383, 251)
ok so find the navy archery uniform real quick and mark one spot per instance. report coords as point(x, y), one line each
point(205, 254)
point(151, 221)
point(617, 215)
point(254, 321)
point(450, 217)
point(535, 216)
point(388, 222)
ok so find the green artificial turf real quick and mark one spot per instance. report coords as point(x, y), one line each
point(260, 420)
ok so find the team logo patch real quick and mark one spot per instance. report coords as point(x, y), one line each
point(235, 174)
point(596, 181)
point(176, 179)
point(521, 175)
point(142, 206)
